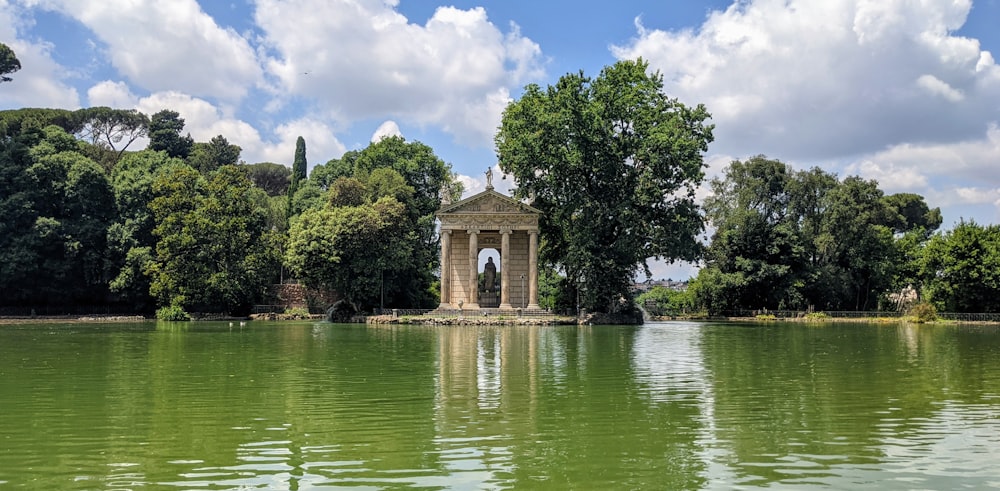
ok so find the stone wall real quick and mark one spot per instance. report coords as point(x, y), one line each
point(294, 295)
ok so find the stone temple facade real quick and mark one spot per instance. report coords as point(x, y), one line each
point(489, 220)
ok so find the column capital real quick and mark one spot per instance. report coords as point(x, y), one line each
point(506, 229)
point(472, 231)
point(447, 231)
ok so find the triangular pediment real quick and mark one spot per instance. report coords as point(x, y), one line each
point(488, 202)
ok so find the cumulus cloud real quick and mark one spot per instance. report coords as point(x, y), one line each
point(806, 80)
point(41, 81)
point(204, 120)
point(362, 59)
point(477, 184)
point(388, 128)
point(172, 45)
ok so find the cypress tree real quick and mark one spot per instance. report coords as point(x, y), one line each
point(299, 166)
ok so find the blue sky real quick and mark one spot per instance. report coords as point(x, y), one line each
point(905, 92)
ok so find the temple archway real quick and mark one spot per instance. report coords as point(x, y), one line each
point(485, 221)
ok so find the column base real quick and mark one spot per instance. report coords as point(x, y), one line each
point(470, 306)
point(506, 306)
point(534, 306)
point(445, 306)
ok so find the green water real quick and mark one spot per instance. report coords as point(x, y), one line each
point(661, 406)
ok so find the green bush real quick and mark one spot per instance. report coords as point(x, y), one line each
point(766, 317)
point(923, 312)
point(297, 313)
point(817, 316)
point(172, 313)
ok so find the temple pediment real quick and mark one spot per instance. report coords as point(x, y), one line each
point(488, 202)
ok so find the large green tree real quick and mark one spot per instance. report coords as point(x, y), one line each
point(57, 205)
point(416, 179)
point(792, 240)
point(350, 249)
point(613, 164)
point(207, 157)
point(165, 134)
point(112, 129)
point(8, 63)
point(130, 237)
point(961, 268)
point(214, 251)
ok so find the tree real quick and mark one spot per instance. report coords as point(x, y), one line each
point(273, 178)
point(613, 165)
point(8, 63)
point(130, 237)
point(961, 268)
point(299, 165)
point(755, 248)
point(414, 175)
point(213, 252)
point(910, 212)
point(207, 157)
point(165, 134)
point(56, 205)
point(349, 248)
point(107, 128)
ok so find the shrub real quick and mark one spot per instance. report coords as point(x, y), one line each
point(815, 316)
point(297, 313)
point(923, 312)
point(766, 317)
point(172, 313)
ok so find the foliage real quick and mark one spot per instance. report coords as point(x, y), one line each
point(414, 176)
point(961, 268)
point(23, 122)
point(213, 251)
point(349, 249)
point(108, 128)
point(299, 167)
point(8, 63)
point(817, 316)
point(613, 165)
point(273, 178)
point(57, 205)
point(660, 301)
point(207, 157)
point(923, 312)
point(130, 235)
point(172, 313)
point(297, 313)
point(794, 240)
point(165, 134)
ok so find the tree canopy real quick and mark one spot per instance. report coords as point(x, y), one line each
point(8, 63)
point(613, 164)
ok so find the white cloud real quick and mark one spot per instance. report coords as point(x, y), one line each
point(112, 94)
point(474, 185)
point(936, 86)
point(40, 81)
point(807, 80)
point(203, 121)
point(172, 45)
point(362, 59)
point(388, 128)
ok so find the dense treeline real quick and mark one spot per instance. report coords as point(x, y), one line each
point(801, 240)
point(184, 226)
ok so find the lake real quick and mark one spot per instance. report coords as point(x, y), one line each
point(673, 405)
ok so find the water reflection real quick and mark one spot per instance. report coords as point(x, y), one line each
point(673, 405)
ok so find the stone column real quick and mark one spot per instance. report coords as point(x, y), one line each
point(533, 269)
point(505, 263)
point(473, 302)
point(445, 269)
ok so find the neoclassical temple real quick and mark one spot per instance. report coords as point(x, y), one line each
point(488, 220)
